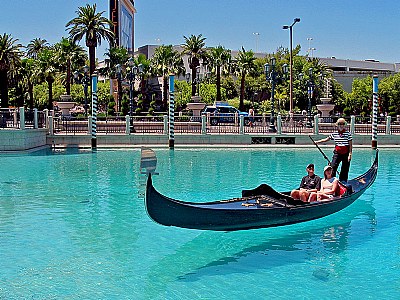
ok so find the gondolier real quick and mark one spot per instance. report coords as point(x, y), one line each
point(343, 149)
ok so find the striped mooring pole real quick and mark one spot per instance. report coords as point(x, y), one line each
point(94, 110)
point(171, 112)
point(374, 142)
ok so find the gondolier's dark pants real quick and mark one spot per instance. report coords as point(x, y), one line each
point(344, 159)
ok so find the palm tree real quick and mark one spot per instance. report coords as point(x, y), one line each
point(92, 26)
point(27, 71)
point(9, 54)
point(116, 56)
point(219, 60)
point(144, 64)
point(194, 48)
point(35, 46)
point(244, 63)
point(46, 70)
point(165, 61)
point(69, 54)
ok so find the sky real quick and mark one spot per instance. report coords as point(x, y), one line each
point(346, 29)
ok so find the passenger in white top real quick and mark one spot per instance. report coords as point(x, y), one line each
point(329, 186)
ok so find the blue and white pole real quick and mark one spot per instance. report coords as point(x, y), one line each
point(94, 110)
point(374, 142)
point(171, 140)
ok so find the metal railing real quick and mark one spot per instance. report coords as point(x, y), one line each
point(188, 124)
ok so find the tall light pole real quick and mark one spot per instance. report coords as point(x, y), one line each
point(296, 20)
point(309, 39)
point(257, 35)
point(272, 75)
point(310, 92)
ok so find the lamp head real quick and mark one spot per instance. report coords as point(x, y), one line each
point(131, 62)
point(285, 27)
point(273, 61)
point(285, 68)
point(85, 69)
point(266, 69)
point(118, 68)
point(76, 74)
point(296, 20)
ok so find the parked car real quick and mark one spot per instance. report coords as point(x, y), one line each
point(224, 114)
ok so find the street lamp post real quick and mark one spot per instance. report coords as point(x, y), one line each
point(85, 82)
point(272, 75)
point(197, 80)
point(310, 92)
point(118, 69)
point(310, 95)
point(133, 70)
point(296, 20)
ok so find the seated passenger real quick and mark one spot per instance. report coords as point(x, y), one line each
point(329, 186)
point(310, 183)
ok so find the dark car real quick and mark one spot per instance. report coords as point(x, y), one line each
point(224, 114)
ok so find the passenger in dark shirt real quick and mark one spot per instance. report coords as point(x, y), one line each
point(310, 183)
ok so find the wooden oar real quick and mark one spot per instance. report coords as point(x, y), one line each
point(322, 152)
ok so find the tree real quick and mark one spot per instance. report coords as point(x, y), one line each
point(92, 26)
point(115, 56)
point(164, 62)
point(243, 64)
point(35, 46)
point(194, 47)
point(69, 54)
point(219, 61)
point(46, 70)
point(28, 73)
point(9, 54)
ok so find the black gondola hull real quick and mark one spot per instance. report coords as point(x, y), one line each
point(248, 212)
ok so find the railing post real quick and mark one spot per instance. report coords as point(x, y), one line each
point(208, 118)
point(316, 124)
point(165, 117)
point(236, 119)
point(279, 123)
point(264, 122)
point(21, 118)
point(352, 124)
point(388, 122)
point(15, 118)
point(46, 118)
point(241, 123)
point(89, 125)
point(35, 119)
point(203, 124)
point(127, 124)
point(51, 125)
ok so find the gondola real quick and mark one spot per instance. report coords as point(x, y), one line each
point(258, 208)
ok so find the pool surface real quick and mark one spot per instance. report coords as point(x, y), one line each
point(73, 226)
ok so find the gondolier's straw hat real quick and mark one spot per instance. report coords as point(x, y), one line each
point(341, 120)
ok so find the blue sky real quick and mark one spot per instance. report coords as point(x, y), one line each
point(345, 29)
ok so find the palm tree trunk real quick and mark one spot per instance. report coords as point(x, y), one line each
point(242, 81)
point(68, 85)
point(30, 92)
point(92, 58)
point(218, 83)
point(165, 96)
point(50, 83)
point(4, 89)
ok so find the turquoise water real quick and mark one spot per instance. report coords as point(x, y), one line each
point(73, 226)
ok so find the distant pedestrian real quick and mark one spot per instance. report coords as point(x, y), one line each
point(343, 149)
point(251, 117)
